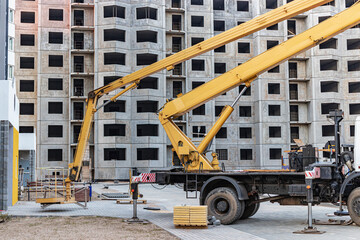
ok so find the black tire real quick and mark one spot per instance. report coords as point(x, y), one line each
point(250, 210)
point(223, 203)
point(353, 204)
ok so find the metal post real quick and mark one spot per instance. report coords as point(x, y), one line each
point(309, 176)
point(90, 192)
point(337, 141)
point(55, 185)
point(135, 209)
point(85, 193)
point(135, 195)
point(337, 116)
point(310, 215)
point(310, 201)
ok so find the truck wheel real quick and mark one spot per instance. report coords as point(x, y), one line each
point(223, 203)
point(353, 204)
point(250, 210)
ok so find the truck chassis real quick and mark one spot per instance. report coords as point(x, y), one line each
point(233, 195)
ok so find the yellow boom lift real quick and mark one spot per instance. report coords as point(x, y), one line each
point(192, 157)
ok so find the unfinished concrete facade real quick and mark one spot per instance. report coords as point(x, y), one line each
point(104, 40)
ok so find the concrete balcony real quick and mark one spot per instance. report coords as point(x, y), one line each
point(82, 5)
point(175, 10)
point(82, 28)
point(83, 51)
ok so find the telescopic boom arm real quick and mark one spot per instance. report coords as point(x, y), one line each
point(192, 157)
point(270, 18)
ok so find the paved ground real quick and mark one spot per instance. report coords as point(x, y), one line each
point(271, 222)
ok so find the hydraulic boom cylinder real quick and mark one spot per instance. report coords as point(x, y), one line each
point(270, 18)
point(224, 115)
point(246, 73)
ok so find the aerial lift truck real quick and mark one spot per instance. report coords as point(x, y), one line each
point(233, 195)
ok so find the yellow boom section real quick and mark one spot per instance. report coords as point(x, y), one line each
point(270, 18)
point(192, 157)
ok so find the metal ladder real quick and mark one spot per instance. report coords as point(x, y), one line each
point(191, 185)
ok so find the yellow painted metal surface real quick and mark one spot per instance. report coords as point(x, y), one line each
point(179, 139)
point(190, 216)
point(268, 19)
point(263, 62)
point(134, 85)
point(58, 200)
point(225, 114)
point(184, 150)
point(15, 177)
point(83, 138)
point(245, 73)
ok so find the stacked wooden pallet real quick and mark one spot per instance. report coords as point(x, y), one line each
point(190, 216)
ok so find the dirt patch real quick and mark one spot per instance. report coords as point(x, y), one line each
point(79, 228)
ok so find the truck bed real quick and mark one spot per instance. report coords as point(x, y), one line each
point(246, 176)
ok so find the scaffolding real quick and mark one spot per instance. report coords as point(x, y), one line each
point(50, 187)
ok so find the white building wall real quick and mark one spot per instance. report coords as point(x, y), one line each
point(9, 109)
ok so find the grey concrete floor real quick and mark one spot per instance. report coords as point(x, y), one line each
point(271, 222)
point(278, 222)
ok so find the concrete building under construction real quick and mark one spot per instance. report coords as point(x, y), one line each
point(64, 49)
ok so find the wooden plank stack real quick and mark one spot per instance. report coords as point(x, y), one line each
point(190, 216)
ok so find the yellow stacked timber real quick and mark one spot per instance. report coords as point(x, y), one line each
point(190, 216)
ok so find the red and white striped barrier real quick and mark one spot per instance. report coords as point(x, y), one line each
point(310, 174)
point(136, 179)
point(144, 178)
point(315, 173)
point(148, 177)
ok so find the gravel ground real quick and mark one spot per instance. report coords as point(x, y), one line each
point(79, 228)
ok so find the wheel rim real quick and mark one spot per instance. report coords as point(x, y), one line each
point(221, 206)
point(356, 206)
